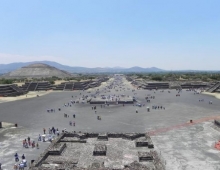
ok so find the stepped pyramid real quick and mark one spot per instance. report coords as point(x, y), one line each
point(37, 70)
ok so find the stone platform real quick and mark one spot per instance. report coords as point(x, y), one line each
point(119, 152)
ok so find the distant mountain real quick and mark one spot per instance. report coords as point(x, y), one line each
point(140, 69)
point(5, 68)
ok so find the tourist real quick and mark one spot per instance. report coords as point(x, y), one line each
point(44, 130)
point(33, 144)
point(39, 137)
point(57, 132)
point(15, 166)
point(44, 139)
point(23, 143)
point(50, 138)
point(24, 162)
point(21, 166)
point(16, 157)
point(54, 130)
point(29, 142)
point(23, 157)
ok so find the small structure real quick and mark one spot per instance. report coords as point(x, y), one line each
point(145, 156)
point(100, 150)
point(103, 136)
point(141, 142)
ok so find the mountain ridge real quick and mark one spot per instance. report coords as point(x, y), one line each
point(5, 68)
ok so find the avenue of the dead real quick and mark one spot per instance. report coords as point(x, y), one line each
point(181, 145)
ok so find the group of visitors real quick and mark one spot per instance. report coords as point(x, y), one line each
point(22, 164)
point(158, 107)
point(27, 143)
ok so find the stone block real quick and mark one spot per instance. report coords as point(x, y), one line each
point(100, 150)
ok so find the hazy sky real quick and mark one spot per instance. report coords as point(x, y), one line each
point(169, 34)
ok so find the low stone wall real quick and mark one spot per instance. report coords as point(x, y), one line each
point(56, 149)
point(125, 102)
point(92, 135)
point(97, 102)
point(132, 136)
point(72, 140)
point(45, 154)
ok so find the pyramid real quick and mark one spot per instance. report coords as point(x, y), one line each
point(37, 70)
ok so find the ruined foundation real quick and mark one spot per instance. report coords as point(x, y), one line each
point(106, 151)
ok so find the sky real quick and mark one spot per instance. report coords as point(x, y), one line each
point(168, 34)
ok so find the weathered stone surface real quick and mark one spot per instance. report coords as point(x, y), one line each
point(145, 156)
point(100, 150)
point(136, 166)
point(103, 136)
point(122, 153)
point(73, 139)
point(37, 70)
point(141, 142)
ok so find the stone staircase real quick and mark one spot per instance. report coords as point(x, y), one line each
point(60, 86)
point(69, 86)
point(43, 86)
point(214, 88)
point(10, 90)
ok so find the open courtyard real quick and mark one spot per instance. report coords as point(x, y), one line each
point(182, 145)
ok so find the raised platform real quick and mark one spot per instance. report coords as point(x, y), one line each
point(67, 152)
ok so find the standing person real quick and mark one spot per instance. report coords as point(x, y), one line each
point(33, 144)
point(23, 143)
point(16, 157)
point(15, 167)
point(44, 130)
point(37, 145)
point(0, 166)
point(57, 132)
point(29, 142)
point(39, 137)
point(23, 157)
point(29, 138)
point(21, 166)
point(54, 131)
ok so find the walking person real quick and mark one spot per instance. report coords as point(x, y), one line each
point(44, 130)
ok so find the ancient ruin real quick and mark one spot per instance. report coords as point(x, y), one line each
point(86, 151)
